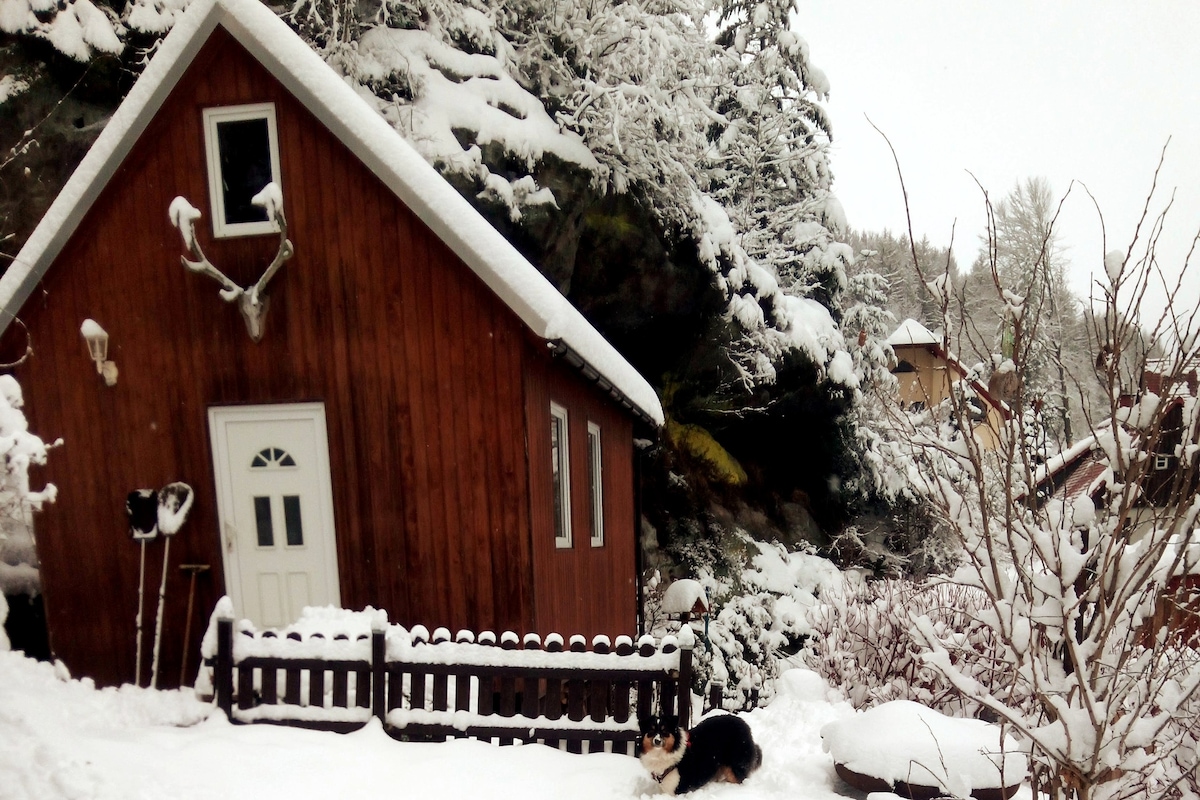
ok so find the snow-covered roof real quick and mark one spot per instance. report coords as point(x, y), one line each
point(912, 332)
point(348, 116)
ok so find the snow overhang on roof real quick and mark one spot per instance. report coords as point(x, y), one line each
point(912, 332)
point(380, 147)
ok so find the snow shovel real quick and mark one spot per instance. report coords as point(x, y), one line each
point(142, 507)
point(174, 502)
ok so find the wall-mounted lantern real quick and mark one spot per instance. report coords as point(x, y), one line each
point(97, 344)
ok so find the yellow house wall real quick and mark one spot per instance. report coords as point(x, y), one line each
point(930, 383)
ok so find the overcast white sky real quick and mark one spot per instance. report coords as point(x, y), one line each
point(1085, 91)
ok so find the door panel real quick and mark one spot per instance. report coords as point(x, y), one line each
point(276, 507)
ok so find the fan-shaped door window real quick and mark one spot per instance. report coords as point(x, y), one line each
point(272, 457)
point(267, 509)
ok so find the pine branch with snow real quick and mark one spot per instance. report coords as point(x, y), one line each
point(633, 99)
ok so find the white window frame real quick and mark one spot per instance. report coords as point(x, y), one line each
point(562, 522)
point(596, 482)
point(212, 118)
point(1162, 461)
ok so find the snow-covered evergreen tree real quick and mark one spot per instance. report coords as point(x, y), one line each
point(1019, 301)
point(891, 256)
point(542, 110)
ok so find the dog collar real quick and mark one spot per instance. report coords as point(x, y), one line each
point(660, 777)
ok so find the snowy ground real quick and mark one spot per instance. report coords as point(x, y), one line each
point(62, 738)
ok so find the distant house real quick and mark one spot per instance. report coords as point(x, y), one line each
point(927, 373)
point(421, 422)
point(1084, 468)
point(1170, 471)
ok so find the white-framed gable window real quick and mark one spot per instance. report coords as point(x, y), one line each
point(596, 484)
point(560, 470)
point(242, 146)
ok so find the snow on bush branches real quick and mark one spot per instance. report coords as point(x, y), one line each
point(20, 450)
point(1084, 664)
point(759, 618)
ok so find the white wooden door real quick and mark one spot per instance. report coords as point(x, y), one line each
point(275, 503)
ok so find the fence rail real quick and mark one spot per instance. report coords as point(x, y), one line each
point(431, 688)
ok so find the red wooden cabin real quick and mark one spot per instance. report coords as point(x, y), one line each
point(391, 440)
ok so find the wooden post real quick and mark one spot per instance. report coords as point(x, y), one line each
point(362, 682)
point(716, 695)
point(223, 671)
point(685, 683)
point(379, 675)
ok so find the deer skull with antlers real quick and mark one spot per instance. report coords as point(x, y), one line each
point(252, 301)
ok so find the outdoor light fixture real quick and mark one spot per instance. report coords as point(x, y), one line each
point(97, 344)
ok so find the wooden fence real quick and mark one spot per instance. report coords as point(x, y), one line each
point(431, 688)
point(1177, 611)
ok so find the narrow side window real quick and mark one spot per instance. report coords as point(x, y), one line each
point(596, 484)
point(242, 146)
point(560, 469)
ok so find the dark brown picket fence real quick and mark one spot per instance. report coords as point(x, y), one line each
point(507, 691)
point(1177, 611)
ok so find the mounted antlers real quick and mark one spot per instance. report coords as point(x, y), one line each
point(252, 301)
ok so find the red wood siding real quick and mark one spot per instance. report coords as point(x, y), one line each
point(421, 368)
point(581, 589)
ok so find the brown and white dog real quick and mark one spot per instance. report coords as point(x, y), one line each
point(720, 748)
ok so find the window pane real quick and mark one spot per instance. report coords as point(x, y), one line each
point(272, 457)
point(245, 150)
point(291, 520)
point(556, 467)
point(595, 484)
point(262, 518)
point(560, 466)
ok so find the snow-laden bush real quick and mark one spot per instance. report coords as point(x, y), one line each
point(864, 644)
point(1083, 666)
point(758, 618)
point(20, 449)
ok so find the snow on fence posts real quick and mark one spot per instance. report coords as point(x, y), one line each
point(430, 688)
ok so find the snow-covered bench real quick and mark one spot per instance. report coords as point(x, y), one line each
point(429, 688)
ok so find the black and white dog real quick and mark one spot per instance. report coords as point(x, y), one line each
point(719, 748)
